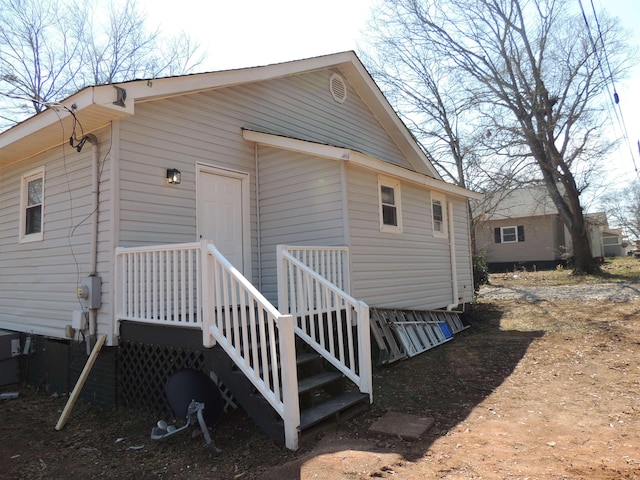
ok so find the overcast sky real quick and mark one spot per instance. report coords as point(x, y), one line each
point(249, 33)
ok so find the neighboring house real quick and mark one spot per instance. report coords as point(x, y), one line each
point(606, 241)
point(614, 243)
point(523, 229)
point(229, 209)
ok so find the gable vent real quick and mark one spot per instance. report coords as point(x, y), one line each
point(338, 88)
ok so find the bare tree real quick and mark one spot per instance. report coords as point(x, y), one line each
point(623, 208)
point(49, 49)
point(532, 69)
point(37, 55)
point(122, 48)
point(419, 86)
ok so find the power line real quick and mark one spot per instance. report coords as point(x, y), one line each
point(616, 98)
point(615, 93)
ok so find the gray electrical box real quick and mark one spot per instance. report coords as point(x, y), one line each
point(90, 292)
point(9, 350)
point(9, 344)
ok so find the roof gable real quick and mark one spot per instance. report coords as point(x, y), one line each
point(98, 106)
point(521, 202)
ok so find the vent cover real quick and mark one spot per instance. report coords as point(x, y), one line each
point(338, 88)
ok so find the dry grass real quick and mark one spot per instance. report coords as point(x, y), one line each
point(619, 269)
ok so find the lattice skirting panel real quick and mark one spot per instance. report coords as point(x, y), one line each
point(144, 370)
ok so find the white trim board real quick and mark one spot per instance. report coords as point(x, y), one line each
point(357, 158)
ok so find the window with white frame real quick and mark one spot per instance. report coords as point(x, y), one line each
point(32, 206)
point(511, 234)
point(390, 208)
point(439, 215)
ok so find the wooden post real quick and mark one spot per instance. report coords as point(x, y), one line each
point(281, 275)
point(290, 399)
point(364, 350)
point(80, 383)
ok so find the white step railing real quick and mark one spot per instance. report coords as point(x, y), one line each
point(332, 322)
point(331, 263)
point(258, 338)
point(159, 284)
point(193, 285)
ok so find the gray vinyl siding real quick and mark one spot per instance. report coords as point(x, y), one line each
point(540, 236)
point(301, 199)
point(411, 269)
point(207, 127)
point(38, 280)
point(300, 204)
point(302, 107)
point(464, 262)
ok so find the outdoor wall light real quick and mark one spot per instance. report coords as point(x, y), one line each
point(173, 176)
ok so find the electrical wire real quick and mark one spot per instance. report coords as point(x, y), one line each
point(80, 141)
point(71, 228)
point(608, 78)
point(615, 93)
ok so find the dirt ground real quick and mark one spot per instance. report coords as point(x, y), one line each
point(534, 389)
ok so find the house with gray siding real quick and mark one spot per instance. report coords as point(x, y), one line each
point(195, 221)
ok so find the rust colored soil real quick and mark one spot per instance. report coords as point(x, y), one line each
point(537, 389)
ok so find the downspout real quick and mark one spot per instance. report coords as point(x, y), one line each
point(452, 256)
point(93, 313)
point(258, 224)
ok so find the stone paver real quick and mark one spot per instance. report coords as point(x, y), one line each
point(409, 427)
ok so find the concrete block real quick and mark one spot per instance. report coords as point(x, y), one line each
point(409, 427)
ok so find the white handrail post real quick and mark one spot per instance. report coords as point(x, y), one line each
point(283, 289)
point(207, 307)
point(364, 350)
point(345, 260)
point(289, 381)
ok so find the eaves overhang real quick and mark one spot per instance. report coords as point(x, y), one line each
point(344, 154)
point(89, 109)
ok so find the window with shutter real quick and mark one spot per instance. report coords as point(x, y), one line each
point(509, 234)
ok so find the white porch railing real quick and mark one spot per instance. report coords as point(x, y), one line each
point(159, 284)
point(331, 263)
point(332, 322)
point(193, 285)
point(258, 338)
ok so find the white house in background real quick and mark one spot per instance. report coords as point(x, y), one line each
point(159, 203)
point(606, 241)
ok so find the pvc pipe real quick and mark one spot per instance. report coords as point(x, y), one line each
point(452, 255)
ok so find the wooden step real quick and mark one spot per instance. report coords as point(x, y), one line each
point(306, 357)
point(318, 380)
point(329, 407)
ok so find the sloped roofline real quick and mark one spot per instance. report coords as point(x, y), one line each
point(98, 106)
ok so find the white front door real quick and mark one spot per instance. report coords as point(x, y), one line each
point(220, 214)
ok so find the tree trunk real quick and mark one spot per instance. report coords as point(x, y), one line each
point(583, 261)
